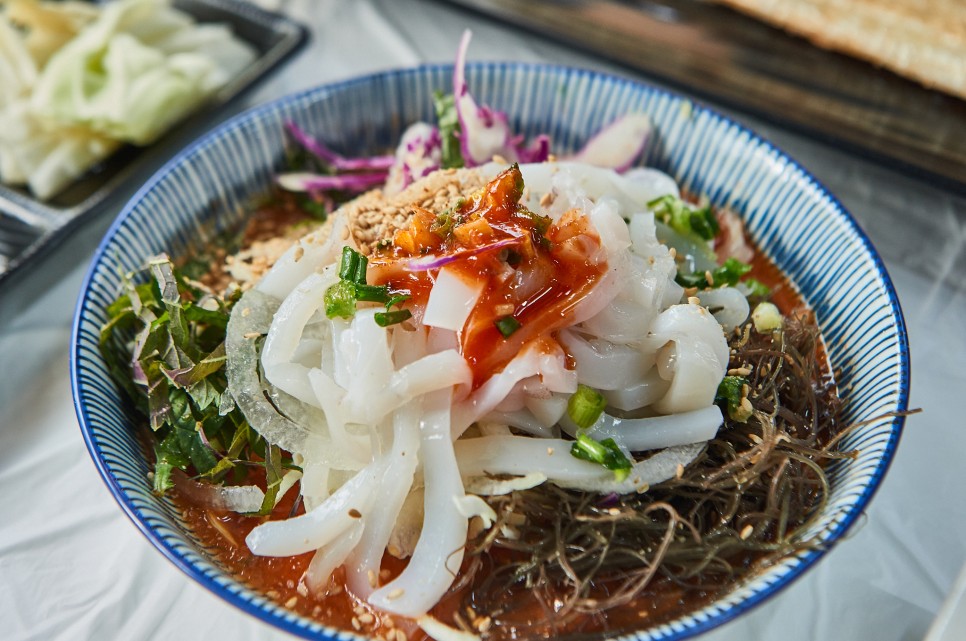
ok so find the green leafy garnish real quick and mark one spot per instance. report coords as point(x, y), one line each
point(757, 289)
point(728, 274)
point(585, 406)
point(341, 299)
point(164, 345)
point(385, 319)
point(507, 325)
point(698, 223)
point(448, 219)
point(604, 453)
point(448, 123)
point(730, 394)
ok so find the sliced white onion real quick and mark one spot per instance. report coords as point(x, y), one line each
point(618, 144)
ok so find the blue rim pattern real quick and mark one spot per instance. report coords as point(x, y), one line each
point(805, 230)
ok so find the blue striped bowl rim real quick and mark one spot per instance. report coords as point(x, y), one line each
point(202, 192)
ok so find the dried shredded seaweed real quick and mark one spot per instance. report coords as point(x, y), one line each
point(558, 560)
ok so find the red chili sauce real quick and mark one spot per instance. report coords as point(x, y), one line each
point(533, 271)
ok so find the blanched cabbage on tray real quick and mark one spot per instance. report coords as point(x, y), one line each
point(77, 81)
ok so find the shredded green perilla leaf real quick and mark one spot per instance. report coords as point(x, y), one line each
point(164, 345)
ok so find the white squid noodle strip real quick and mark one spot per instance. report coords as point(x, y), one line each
point(523, 420)
point(656, 432)
point(284, 335)
point(451, 300)
point(439, 551)
point(394, 487)
point(328, 558)
point(322, 525)
point(604, 365)
point(638, 394)
point(530, 362)
point(695, 357)
point(523, 455)
point(728, 305)
point(355, 450)
point(304, 257)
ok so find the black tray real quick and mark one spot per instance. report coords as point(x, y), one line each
point(31, 229)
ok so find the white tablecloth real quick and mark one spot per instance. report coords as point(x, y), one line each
point(73, 567)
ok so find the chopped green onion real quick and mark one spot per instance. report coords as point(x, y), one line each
point(678, 215)
point(372, 293)
point(766, 318)
point(757, 288)
point(585, 406)
point(347, 267)
point(507, 325)
point(730, 395)
point(704, 223)
point(541, 224)
point(604, 453)
point(340, 300)
point(728, 274)
point(385, 319)
point(396, 299)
